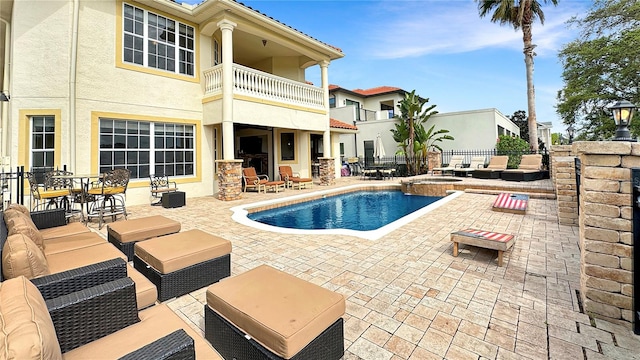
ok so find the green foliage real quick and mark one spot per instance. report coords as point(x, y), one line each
point(601, 67)
point(413, 140)
point(512, 146)
point(522, 121)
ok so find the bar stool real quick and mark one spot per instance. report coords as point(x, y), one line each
point(109, 195)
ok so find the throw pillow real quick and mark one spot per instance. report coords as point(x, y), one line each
point(21, 256)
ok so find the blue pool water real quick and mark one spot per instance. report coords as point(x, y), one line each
point(360, 210)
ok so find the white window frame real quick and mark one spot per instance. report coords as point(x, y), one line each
point(180, 39)
point(44, 133)
point(155, 128)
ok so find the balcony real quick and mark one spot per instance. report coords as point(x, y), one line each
point(264, 86)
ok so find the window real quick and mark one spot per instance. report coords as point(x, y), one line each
point(215, 57)
point(42, 142)
point(147, 147)
point(500, 130)
point(332, 101)
point(287, 147)
point(157, 42)
point(356, 105)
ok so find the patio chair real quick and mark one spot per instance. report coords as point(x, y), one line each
point(109, 195)
point(497, 165)
point(477, 162)
point(530, 169)
point(46, 198)
point(254, 181)
point(292, 179)
point(455, 163)
point(160, 184)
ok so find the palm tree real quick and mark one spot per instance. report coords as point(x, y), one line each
point(520, 14)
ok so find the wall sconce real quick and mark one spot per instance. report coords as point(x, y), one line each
point(264, 42)
point(4, 97)
point(622, 112)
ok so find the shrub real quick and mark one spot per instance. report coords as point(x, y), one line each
point(514, 147)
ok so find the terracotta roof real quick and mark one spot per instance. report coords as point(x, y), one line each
point(377, 90)
point(341, 125)
point(369, 92)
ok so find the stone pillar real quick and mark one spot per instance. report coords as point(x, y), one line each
point(327, 171)
point(606, 238)
point(564, 180)
point(229, 179)
point(434, 160)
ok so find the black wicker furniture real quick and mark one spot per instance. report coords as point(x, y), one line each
point(530, 169)
point(265, 313)
point(98, 322)
point(125, 234)
point(183, 262)
point(496, 166)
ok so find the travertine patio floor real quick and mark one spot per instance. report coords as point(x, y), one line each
point(409, 298)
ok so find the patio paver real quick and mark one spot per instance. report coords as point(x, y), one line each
point(409, 298)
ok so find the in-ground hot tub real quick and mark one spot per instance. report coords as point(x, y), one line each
point(430, 186)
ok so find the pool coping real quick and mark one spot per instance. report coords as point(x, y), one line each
point(240, 212)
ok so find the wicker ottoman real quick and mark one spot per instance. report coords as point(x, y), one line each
point(265, 313)
point(180, 263)
point(124, 234)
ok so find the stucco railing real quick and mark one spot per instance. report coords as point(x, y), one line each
point(251, 82)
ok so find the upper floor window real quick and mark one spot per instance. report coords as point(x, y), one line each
point(332, 101)
point(158, 42)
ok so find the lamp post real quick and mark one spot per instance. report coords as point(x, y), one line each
point(570, 132)
point(622, 112)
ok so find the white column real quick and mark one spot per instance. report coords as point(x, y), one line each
point(326, 136)
point(227, 88)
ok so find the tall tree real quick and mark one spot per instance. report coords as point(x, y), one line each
point(600, 67)
point(520, 14)
point(520, 119)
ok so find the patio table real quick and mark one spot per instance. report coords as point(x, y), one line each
point(84, 180)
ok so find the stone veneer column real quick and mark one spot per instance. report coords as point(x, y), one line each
point(606, 238)
point(563, 176)
point(434, 160)
point(327, 171)
point(229, 179)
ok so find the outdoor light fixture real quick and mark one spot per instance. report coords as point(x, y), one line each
point(4, 97)
point(570, 132)
point(622, 112)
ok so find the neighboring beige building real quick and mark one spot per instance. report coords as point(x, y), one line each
point(161, 87)
point(372, 111)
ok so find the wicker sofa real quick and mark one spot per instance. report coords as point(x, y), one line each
point(55, 255)
point(98, 322)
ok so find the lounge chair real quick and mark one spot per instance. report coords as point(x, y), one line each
point(292, 179)
point(530, 169)
point(496, 166)
point(253, 180)
point(477, 162)
point(455, 163)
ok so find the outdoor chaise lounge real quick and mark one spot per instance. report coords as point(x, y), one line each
point(454, 163)
point(254, 181)
point(292, 179)
point(496, 166)
point(530, 169)
point(477, 162)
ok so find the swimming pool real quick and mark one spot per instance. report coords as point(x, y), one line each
point(358, 210)
point(241, 213)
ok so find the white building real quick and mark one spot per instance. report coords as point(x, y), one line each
point(372, 111)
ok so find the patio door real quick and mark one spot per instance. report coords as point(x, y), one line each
point(368, 152)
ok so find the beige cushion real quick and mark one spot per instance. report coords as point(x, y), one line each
point(177, 251)
point(280, 311)
point(142, 228)
point(531, 162)
point(22, 257)
point(66, 230)
point(20, 208)
point(23, 224)
point(155, 323)
point(72, 242)
point(26, 329)
point(146, 292)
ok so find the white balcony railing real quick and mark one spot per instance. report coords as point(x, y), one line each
point(248, 81)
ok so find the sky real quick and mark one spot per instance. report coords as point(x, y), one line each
point(440, 48)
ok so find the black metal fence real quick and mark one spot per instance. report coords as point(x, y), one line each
point(635, 181)
point(12, 187)
point(399, 161)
